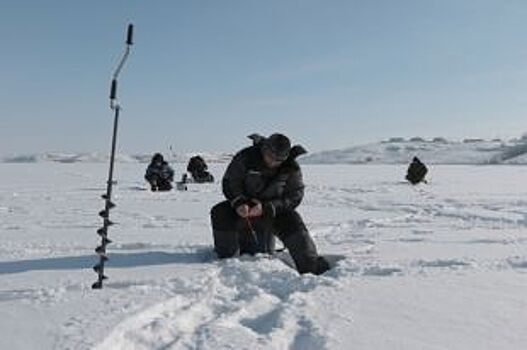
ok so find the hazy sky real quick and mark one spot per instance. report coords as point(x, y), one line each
point(204, 74)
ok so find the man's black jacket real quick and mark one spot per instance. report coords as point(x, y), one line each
point(247, 178)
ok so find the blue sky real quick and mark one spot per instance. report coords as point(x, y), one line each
point(204, 74)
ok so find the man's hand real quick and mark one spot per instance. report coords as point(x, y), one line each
point(242, 210)
point(256, 210)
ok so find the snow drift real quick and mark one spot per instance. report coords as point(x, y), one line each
point(393, 151)
point(436, 151)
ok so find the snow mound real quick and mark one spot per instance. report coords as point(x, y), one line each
point(395, 150)
point(96, 157)
point(436, 151)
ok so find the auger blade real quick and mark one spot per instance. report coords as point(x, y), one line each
point(103, 232)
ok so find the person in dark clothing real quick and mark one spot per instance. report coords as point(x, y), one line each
point(416, 172)
point(159, 174)
point(263, 186)
point(198, 169)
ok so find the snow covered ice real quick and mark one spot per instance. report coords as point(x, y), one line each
point(437, 266)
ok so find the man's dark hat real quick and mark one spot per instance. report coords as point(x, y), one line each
point(158, 157)
point(279, 145)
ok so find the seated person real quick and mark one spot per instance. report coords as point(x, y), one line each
point(159, 174)
point(263, 187)
point(416, 172)
point(198, 169)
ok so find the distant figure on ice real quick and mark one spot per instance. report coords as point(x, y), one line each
point(198, 170)
point(263, 186)
point(159, 174)
point(416, 172)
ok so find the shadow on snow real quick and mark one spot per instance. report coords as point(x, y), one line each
point(116, 260)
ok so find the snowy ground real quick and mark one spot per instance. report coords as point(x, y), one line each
point(438, 266)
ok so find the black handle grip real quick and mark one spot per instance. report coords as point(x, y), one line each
point(130, 34)
point(113, 90)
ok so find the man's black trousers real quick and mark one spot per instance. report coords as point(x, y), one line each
point(232, 235)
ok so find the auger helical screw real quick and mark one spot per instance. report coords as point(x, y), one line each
point(105, 213)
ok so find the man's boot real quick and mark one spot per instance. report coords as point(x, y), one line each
point(226, 243)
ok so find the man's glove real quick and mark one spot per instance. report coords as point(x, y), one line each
point(243, 210)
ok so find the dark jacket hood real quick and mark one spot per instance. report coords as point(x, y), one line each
point(296, 150)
